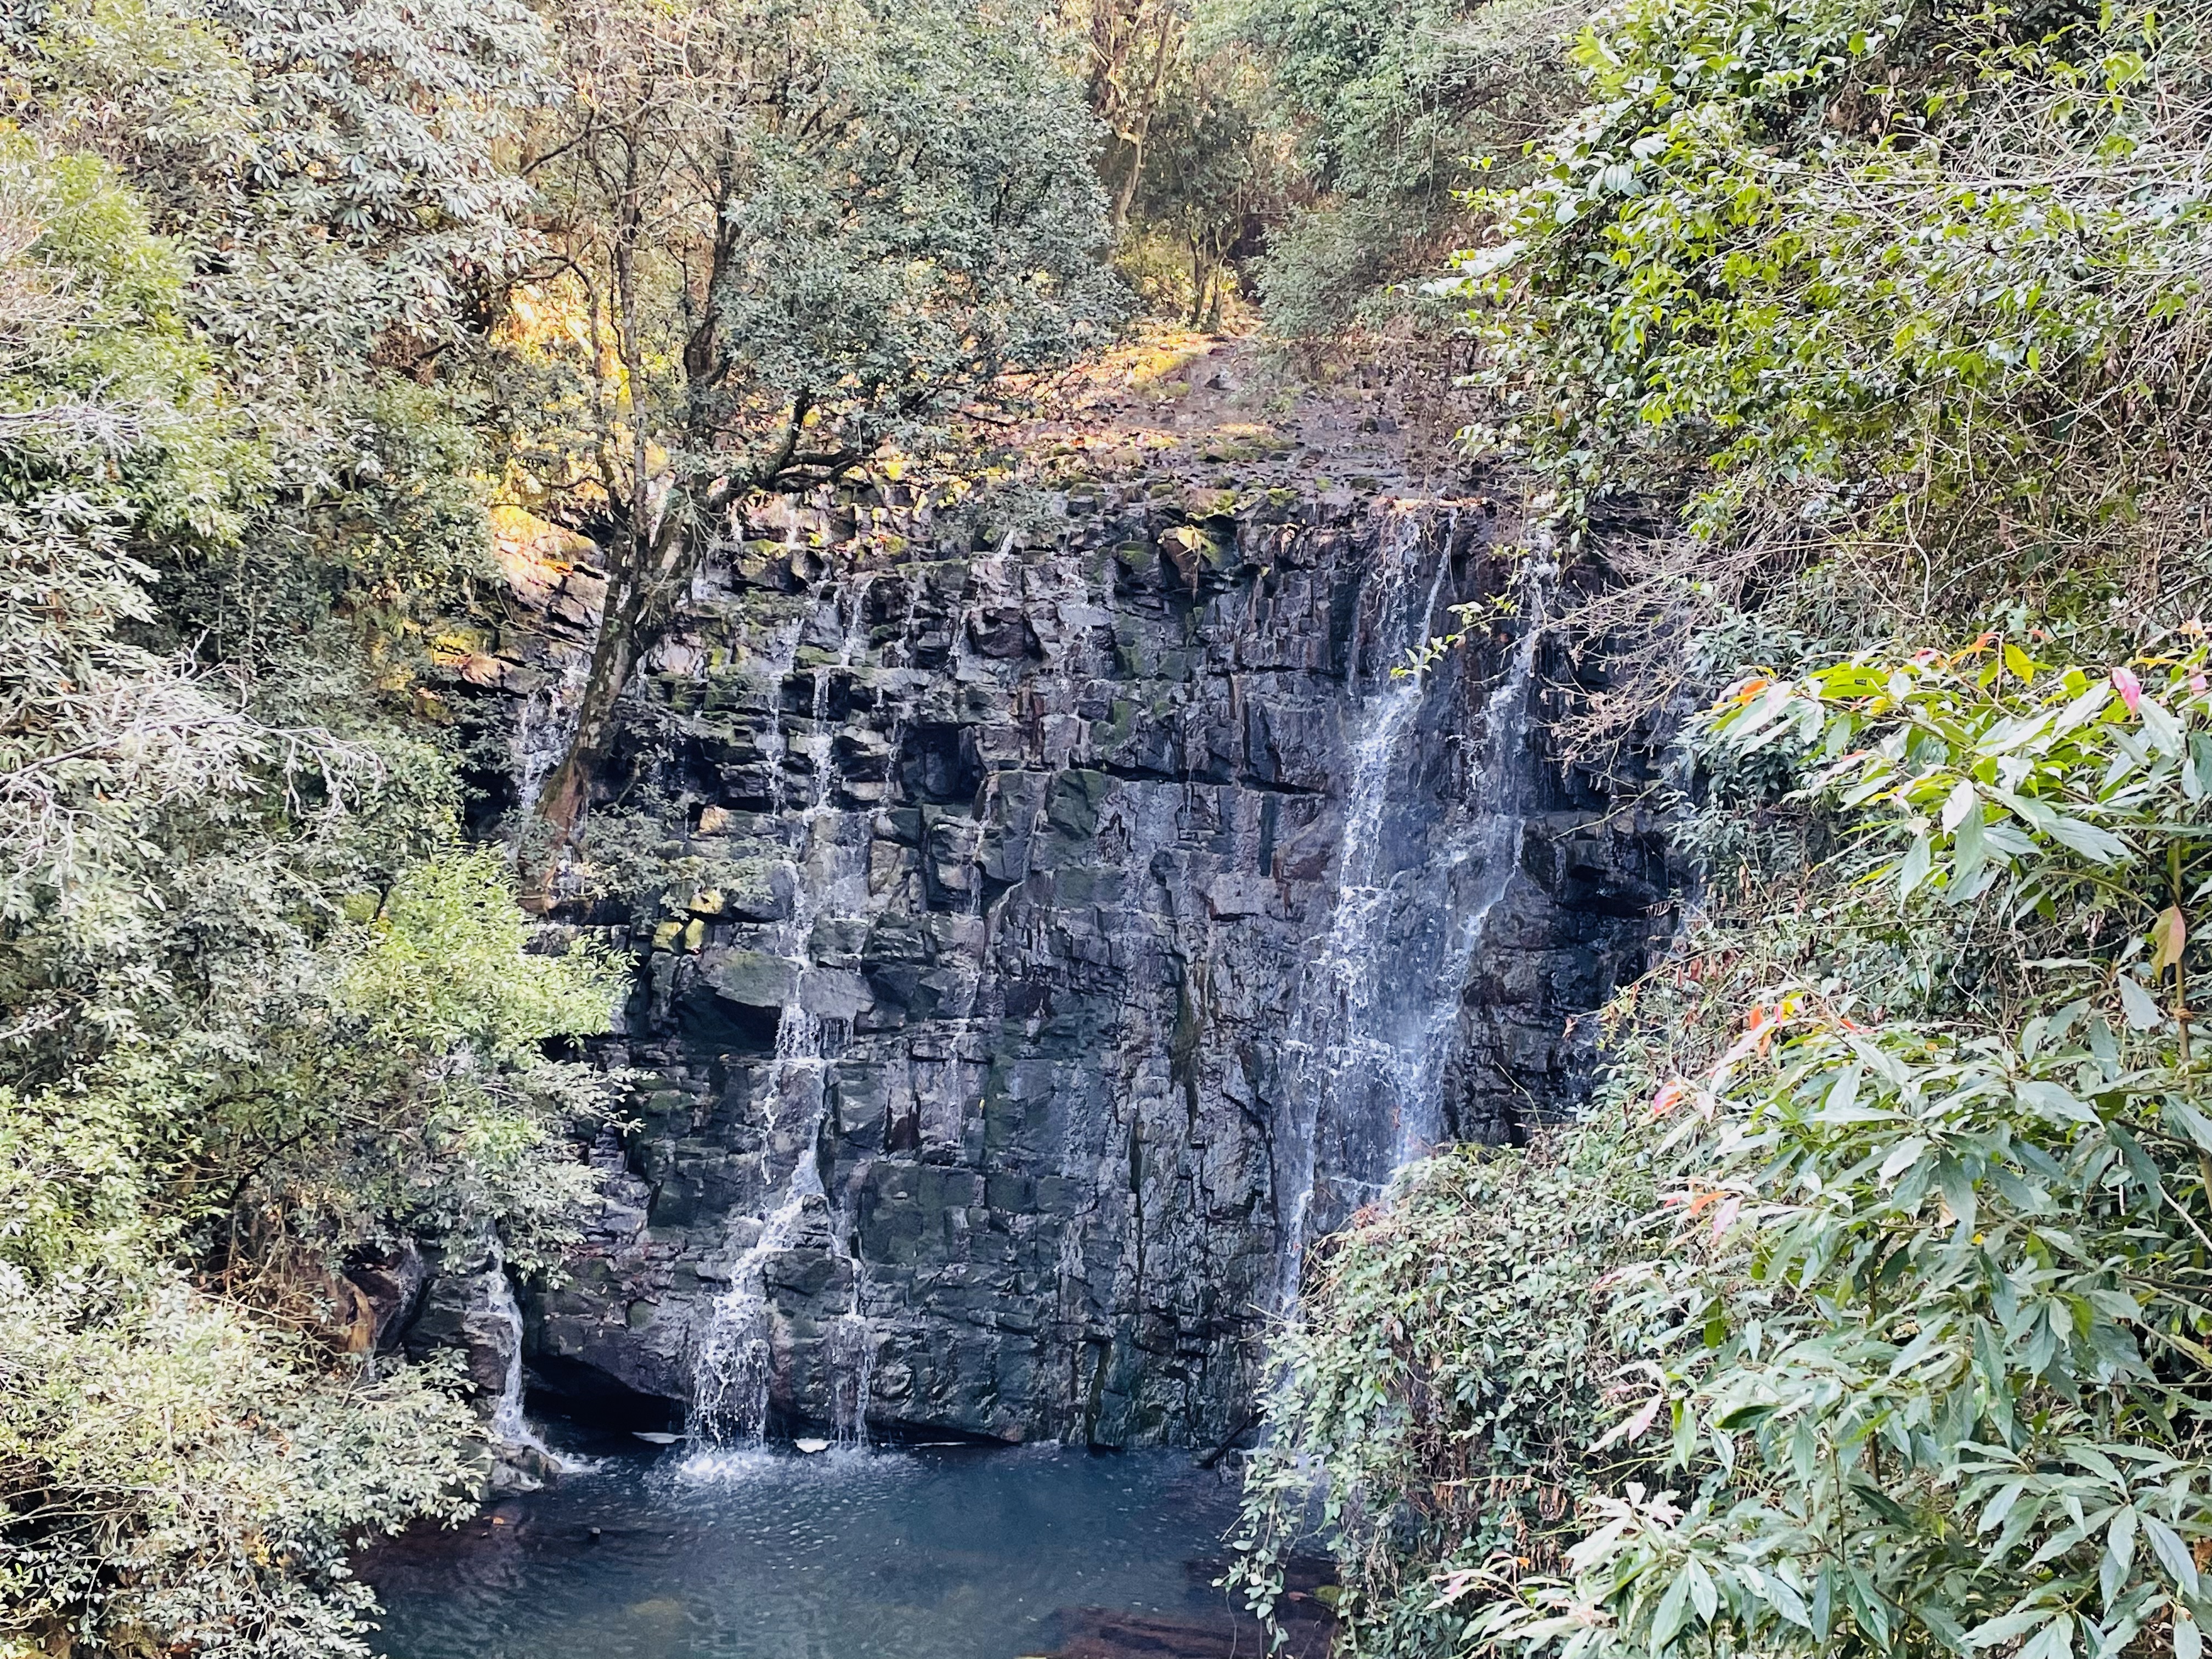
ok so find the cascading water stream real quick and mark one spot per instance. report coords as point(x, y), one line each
point(1372, 1032)
point(852, 1346)
point(1323, 1032)
point(852, 1373)
point(733, 1357)
point(510, 1429)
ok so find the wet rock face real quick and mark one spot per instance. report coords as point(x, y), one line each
point(991, 1057)
point(461, 1312)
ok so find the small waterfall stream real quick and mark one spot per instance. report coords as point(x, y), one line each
point(1376, 1016)
point(733, 1364)
point(518, 1446)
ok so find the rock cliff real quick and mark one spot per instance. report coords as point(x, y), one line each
point(1059, 911)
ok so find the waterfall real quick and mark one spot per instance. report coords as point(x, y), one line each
point(511, 1433)
point(542, 730)
point(852, 1370)
point(1372, 1029)
point(732, 1366)
point(733, 1355)
point(1324, 1035)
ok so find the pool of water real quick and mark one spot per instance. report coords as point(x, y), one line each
point(921, 1553)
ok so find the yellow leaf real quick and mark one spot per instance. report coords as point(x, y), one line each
point(2168, 934)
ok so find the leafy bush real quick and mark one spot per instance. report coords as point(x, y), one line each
point(1445, 1382)
point(182, 1456)
point(1378, 107)
point(213, 1090)
point(1910, 1356)
point(176, 1477)
point(1882, 277)
point(1937, 1365)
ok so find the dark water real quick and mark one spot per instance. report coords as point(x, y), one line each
point(953, 1553)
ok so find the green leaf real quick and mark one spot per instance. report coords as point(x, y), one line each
point(1989, 1366)
point(1882, 1503)
point(1970, 848)
point(1946, 1628)
point(1703, 1596)
point(1914, 869)
point(2173, 1555)
point(1673, 1611)
point(2140, 1007)
point(1784, 1600)
point(2055, 1100)
point(2007, 1625)
point(2085, 707)
point(2192, 1124)
point(2054, 1641)
point(2119, 1556)
point(1843, 1094)
point(2098, 846)
point(1961, 802)
point(2161, 728)
point(1902, 1157)
point(1958, 1191)
point(1747, 1415)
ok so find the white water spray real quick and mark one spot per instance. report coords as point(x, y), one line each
point(1373, 1029)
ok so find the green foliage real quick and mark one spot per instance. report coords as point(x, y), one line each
point(445, 966)
point(1864, 323)
point(1210, 169)
point(114, 434)
point(1445, 1383)
point(1931, 1337)
point(330, 184)
point(175, 1476)
point(353, 149)
point(212, 1089)
point(1375, 91)
point(854, 216)
point(407, 516)
point(1910, 1358)
point(175, 1464)
point(1378, 107)
point(1986, 757)
point(1883, 277)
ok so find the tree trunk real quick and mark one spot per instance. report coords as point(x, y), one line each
point(567, 790)
point(641, 589)
point(1127, 194)
point(644, 582)
point(1201, 283)
point(1140, 128)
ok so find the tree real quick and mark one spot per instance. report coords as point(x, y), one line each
point(1216, 172)
point(1132, 49)
point(213, 1085)
point(1375, 110)
point(785, 233)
